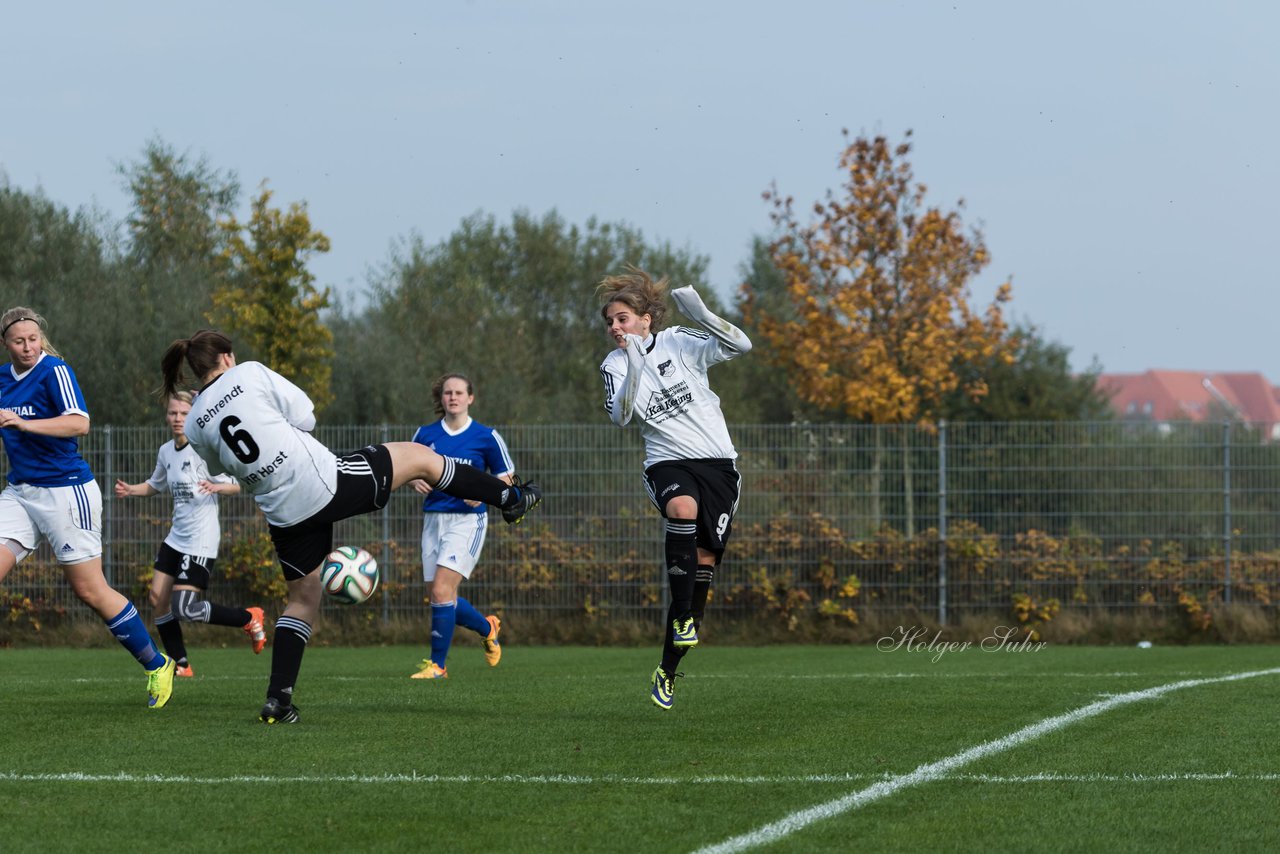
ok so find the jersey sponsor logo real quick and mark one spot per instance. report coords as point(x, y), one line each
point(668, 402)
point(24, 411)
point(666, 369)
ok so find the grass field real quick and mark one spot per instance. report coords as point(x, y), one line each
point(559, 749)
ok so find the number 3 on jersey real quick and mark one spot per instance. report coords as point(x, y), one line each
point(239, 441)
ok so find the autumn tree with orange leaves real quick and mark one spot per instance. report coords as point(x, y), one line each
point(878, 323)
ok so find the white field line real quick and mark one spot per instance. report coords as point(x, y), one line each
point(932, 771)
point(608, 779)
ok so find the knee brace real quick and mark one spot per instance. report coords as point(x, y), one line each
point(19, 551)
point(190, 606)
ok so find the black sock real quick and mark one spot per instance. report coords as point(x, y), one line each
point(290, 643)
point(682, 563)
point(701, 590)
point(468, 482)
point(671, 654)
point(170, 631)
point(222, 615)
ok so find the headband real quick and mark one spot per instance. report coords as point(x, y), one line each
point(5, 331)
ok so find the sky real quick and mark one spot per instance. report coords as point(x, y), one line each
point(1119, 157)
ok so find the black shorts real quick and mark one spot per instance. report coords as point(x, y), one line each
point(714, 484)
point(185, 569)
point(364, 485)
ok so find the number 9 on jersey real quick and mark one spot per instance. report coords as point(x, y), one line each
point(349, 575)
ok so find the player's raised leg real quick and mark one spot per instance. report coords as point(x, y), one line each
point(411, 461)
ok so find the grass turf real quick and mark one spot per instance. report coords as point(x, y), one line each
point(559, 749)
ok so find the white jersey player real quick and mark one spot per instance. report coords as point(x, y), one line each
point(186, 559)
point(254, 424)
point(659, 378)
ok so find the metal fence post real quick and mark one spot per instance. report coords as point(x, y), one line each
point(1226, 509)
point(108, 481)
point(942, 521)
point(386, 542)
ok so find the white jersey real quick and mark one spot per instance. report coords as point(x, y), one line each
point(195, 528)
point(680, 417)
point(252, 423)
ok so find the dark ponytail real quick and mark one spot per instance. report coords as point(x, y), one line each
point(200, 352)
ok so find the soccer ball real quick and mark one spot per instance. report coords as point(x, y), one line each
point(349, 575)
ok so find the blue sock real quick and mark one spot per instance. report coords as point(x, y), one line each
point(129, 629)
point(470, 618)
point(443, 619)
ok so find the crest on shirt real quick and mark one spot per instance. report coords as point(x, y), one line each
point(666, 369)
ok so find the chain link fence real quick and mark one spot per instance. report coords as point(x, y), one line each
point(836, 519)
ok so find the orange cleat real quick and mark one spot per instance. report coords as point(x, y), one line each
point(431, 670)
point(255, 630)
point(493, 649)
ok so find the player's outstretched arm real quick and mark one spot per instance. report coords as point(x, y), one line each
point(695, 309)
point(624, 402)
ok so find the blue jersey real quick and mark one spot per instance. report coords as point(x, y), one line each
point(47, 390)
point(473, 445)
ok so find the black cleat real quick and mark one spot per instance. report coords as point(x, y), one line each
point(528, 496)
point(276, 713)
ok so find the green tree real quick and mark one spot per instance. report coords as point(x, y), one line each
point(174, 258)
point(268, 301)
point(178, 202)
point(1038, 385)
point(64, 265)
point(511, 305)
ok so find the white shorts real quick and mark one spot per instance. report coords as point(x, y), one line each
point(452, 540)
point(69, 517)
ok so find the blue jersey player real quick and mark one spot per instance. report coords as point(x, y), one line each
point(51, 494)
point(453, 530)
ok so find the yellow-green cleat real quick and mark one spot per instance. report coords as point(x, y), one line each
point(160, 683)
point(684, 633)
point(664, 688)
